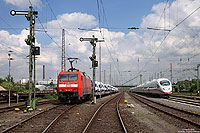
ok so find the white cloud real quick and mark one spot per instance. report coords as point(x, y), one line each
point(23, 4)
point(72, 21)
point(183, 42)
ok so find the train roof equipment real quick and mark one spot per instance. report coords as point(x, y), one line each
point(71, 60)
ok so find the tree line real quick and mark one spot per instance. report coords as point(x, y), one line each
point(186, 86)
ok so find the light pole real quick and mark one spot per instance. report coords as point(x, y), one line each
point(9, 59)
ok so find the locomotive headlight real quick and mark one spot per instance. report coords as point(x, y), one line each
point(74, 85)
point(62, 85)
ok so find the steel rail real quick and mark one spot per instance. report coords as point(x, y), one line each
point(196, 103)
point(188, 97)
point(22, 122)
point(119, 116)
point(22, 106)
point(48, 128)
point(96, 112)
point(164, 111)
point(188, 112)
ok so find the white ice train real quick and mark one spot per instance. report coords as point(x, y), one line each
point(162, 87)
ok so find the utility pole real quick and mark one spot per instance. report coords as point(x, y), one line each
point(119, 72)
point(158, 76)
point(63, 61)
point(44, 72)
point(110, 74)
point(161, 75)
point(198, 77)
point(104, 79)
point(140, 79)
point(100, 63)
point(171, 72)
point(29, 41)
point(9, 59)
point(93, 42)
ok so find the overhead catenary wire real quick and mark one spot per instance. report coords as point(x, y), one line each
point(151, 41)
point(171, 31)
point(109, 36)
point(53, 13)
point(14, 29)
point(61, 27)
point(48, 34)
point(162, 42)
point(13, 49)
point(45, 30)
point(98, 12)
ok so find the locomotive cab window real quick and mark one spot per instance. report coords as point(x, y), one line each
point(164, 83)
point(68, 77)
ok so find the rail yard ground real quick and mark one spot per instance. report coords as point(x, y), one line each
point(137, 117)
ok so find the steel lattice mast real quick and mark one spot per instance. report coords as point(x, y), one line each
point(63, 60)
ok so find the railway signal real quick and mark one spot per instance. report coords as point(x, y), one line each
point(30, 16)
point(93, 42)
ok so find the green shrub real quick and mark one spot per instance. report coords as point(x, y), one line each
point(50, 96)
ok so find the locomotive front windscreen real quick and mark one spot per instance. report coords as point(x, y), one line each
point(164, 83)
point(68, 77)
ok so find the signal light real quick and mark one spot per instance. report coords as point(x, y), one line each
point(13, 12)
point(95, 64)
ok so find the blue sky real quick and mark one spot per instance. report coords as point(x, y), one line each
point(122, 44)
point(120, 14)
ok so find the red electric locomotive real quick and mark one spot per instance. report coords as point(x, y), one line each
point(73, 85)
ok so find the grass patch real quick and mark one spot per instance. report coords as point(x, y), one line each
point(50, 96)
point(185, 93)
point(140, 115)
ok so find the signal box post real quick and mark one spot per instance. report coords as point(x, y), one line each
point(93, 42)
point(30, 15)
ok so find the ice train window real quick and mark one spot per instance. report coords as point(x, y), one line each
point(164, 83)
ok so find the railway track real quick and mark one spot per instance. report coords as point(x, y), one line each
point(183, 115)
point(187, 101)
point(107, 115)
point(56, 119)
point(3, 102)
point(187, 97)
point(23, 106)
point(40, 122)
